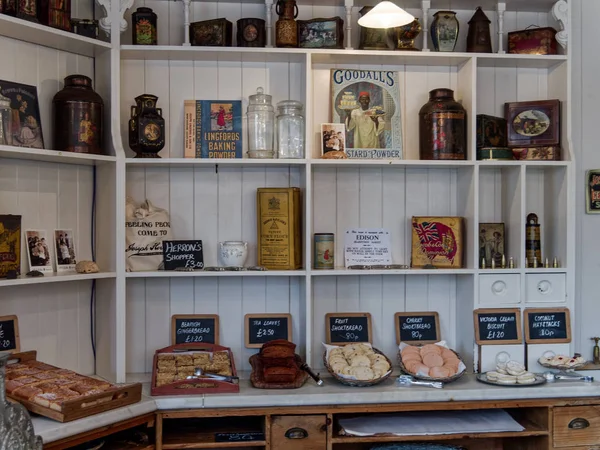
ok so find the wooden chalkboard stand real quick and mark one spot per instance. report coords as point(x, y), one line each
point(329, 339)
point(416, 316)
point(9, 333)
point(250, 341)
point(176, 318)
point(488, 351)
point(535, 348)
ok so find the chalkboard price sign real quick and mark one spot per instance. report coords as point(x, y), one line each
point(417, 327)
point(261, 328)
point(9, 334)
point(547, 326)
point(498, 326)
point(195, 328)
point(183, 255)
point(345, 328)
point(592, 191)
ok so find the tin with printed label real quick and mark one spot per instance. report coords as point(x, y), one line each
point(324, 247)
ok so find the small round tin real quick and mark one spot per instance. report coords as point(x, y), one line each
point(324, 246)
point(501, 153)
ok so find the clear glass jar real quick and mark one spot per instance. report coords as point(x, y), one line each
point(261, 125)
point(290, 129)
point(6, 121)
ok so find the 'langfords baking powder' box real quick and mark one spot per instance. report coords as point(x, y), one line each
point(438, 241)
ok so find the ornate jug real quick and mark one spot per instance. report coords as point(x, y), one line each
point(286, 31)
point(146, 127)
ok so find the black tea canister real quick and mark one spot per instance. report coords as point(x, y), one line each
point(78, 112)
point(143, 27)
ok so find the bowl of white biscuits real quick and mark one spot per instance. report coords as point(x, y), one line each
point(510, 373)
point(357, 365)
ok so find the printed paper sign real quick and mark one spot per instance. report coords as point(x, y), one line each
point(367, 247)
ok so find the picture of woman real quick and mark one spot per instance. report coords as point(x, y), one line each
point(65, 250)
point(38, 251)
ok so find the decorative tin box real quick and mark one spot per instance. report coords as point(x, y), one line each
point(85, 27)
point(211, 33)
point(503, 153)
point(491, 131)
point(251, 32)
point(279, 214)
point(55, 13)
point(438, 241)
point(321, 33)
point(549, 153)
point(534, 41)
point(10, 244)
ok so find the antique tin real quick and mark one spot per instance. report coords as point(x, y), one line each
point(85, 27)
point(549, 153)
point(279, 214)
point(55, 13)
point(143, 27)
point(444, 31)
point(533, 41)
point(407, 35)
point(376, 38)
point(501, 153)
point(28, 10)
point(78, 115)
point(479, 39)
point(321, 33)
point(442, 127)
point(286, 30)
point(533, 240)
point(8, 7)
point(10, 244)
point(324, 248)
point(438, 241)
point(211, 33)
point(491, 131)
point(533, 123)
point(146, 127)
point(251, 32)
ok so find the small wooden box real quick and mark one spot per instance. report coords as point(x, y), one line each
point(211, 33)
point(535, 41)
point(548, 153)
point(279, 214)
point(438, 241)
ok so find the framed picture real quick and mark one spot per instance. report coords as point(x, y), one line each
point(368, 103)
point(321, 33)
point(333, 137)
point(592, 191)
point(533, 123)
point(491, 243)
point(38, 250)
point(26, 125)
point(64, 249)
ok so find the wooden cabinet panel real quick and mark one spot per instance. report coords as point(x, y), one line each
point(577, 425)
point(299, 432)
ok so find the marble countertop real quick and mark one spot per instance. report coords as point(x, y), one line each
point(466, 388)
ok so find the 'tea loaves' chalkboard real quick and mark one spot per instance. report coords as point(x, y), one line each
point(183, 255)
point(344, 328)
point(498, 326)
point(418, 327)
point(195, 328)
point(261, 328)
point(547, 325)
point(9, 334)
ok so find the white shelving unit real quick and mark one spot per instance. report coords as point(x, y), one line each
point(214, 200)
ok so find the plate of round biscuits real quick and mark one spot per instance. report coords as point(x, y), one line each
point(431, 362)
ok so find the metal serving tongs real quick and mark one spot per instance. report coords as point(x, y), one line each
point(551, 376)
point(407, 380)
point(199, 373)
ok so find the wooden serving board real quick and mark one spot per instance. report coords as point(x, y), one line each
point(257, 380)
point(83, 406)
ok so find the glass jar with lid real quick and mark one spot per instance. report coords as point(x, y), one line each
point(290, 129)
point(261, 125)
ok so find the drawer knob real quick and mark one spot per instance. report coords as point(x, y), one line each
point(296, 433)
point(579, 423)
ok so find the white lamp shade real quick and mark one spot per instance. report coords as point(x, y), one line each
point(385, 15)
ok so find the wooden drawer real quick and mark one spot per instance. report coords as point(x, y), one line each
point(299, 432)
point(577, 426)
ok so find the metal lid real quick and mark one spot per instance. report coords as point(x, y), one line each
point(78, 80)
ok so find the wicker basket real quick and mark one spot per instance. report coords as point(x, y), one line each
point(420, 377)
point(358, 383)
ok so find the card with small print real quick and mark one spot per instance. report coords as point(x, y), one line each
point(38, 251)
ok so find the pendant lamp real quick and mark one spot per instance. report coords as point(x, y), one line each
point(385, 15)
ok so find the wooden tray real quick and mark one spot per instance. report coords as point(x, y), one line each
point(83, 406)
point(198, 386)
point(257, 380)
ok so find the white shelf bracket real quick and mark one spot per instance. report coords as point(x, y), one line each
point(425, 6)
point(348, 5)
point(106, 22)
point(269, 22)
point(560, 12)
point(186, 22)
point(501, 7)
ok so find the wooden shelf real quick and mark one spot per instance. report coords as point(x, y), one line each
point(237, 162)
point(35, 154)
point(56, 278)
point(193, 434)
point(227, 273)
point(367, 272)
point(35, 33)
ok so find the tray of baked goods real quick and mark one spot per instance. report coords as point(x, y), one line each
point(188, 369)
point(62, 394)
point(277, 366)
point(358, 365)
point(431, 362)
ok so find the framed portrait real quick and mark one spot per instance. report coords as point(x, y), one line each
point(491, 243)
point(321, 33)
point(26, 129)
point(64, 249)
point(533, 123)
point(333, 137)
point(592, 191)
point(38, 250)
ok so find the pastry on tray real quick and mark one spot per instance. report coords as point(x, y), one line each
point(277, 366)
point(358, 361)
point(431, 361)
point(173, 367)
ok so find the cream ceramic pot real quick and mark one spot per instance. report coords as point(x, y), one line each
point(233, 253)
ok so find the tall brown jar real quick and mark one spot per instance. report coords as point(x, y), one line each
point(442, 127)
point(286, 30)
point(78, 112)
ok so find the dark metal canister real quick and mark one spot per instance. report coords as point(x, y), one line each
point(533, 240)
point(442, 127)
point(143, 27)
point(78, 112)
